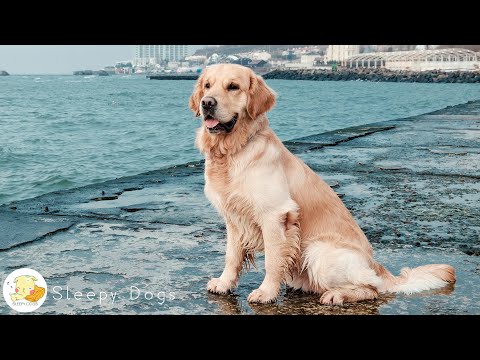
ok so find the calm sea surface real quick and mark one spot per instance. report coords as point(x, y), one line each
point(59, 132)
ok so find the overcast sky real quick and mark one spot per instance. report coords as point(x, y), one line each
point(61, 59)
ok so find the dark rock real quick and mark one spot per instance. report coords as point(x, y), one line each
point(83, 72)
point(106, 198)
point(4, 73)
point(101, 73)
point(375, 75)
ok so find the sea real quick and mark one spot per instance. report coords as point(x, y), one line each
point(59, 132)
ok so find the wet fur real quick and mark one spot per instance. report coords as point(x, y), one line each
point(272, 201)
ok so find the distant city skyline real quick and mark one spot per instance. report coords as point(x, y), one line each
point(62, 59)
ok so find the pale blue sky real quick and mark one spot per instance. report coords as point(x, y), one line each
point(61, 59)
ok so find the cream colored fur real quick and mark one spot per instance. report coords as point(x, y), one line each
point(273, 202)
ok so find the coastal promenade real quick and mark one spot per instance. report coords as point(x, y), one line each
point(412, 184)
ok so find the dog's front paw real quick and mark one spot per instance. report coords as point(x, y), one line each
point(218, 286)
point(262, 296)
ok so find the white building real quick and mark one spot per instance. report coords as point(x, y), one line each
point(257, 55)
point(309, 59)
point(154, 54)
point(340, 53)
point(419, 60)
point(306, 62)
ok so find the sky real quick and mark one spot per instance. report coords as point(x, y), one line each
point(61, 59)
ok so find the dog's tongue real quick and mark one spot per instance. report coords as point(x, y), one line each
point(211, 123)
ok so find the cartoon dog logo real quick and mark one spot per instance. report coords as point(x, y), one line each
point(25, 288)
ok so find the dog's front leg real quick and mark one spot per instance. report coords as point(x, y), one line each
point(275, 243)
point(233, 263)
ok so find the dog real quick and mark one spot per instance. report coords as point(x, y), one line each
point(272, 201)
point(26, 289)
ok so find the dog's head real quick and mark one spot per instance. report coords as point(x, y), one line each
point(25, 285)
point(226, 94)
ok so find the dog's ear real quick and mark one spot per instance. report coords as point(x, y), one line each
point(197, 96)
point(260, 97)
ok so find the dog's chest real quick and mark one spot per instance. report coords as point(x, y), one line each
point(223, 186)
point(218, 184)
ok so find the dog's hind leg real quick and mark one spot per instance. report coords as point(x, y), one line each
point(340, 274)
point(338, 296)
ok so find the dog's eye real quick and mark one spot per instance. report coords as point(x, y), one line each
point(207, 85)
point(232, 87)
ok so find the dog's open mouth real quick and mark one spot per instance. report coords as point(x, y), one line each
point(214, 126)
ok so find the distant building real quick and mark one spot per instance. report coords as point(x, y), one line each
point(196, 59)
point(340, 53)
point(455, 59)
point(257, 63)
point(257, 55)
point(123, 67)
point(155, 54)
point(309, 59)
point(426, 47)
point(109, 69)
point(313, 61)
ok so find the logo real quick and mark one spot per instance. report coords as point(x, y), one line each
point(25, 290)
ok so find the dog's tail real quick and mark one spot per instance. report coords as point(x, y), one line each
point(418, 279)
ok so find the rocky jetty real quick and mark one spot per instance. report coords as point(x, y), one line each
point(191, 76)
point(4, 73)
point(83, 72)
point(91, 72)
point(377, 75)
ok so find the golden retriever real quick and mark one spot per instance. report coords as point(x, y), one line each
point(271, 201)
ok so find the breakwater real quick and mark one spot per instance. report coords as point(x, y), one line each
point(193, 76)
point(376, 75)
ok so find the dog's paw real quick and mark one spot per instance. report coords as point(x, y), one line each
point(332, 297)
point(261, 296)
point(218, 286)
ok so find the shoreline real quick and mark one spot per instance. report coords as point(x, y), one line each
point(376, 75)
point(411, 183)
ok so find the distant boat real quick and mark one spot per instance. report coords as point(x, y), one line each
point(4, 73)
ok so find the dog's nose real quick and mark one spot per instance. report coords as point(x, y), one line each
point(209, 103)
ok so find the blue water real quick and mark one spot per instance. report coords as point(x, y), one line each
point(59, 132)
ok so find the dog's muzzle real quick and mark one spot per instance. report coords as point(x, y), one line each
point(222, 127)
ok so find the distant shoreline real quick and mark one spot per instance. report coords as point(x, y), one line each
point(376, 75)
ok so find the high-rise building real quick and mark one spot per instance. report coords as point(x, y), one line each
point(340, 53)
point(154, 54)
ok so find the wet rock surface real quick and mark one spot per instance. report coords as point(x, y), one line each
point(154, 240)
